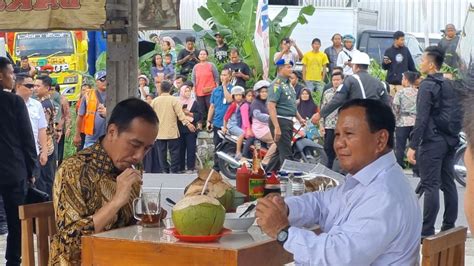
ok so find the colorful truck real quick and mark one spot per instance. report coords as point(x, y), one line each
point(62, 53)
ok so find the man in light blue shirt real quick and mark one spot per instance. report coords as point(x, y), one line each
point(372, 219)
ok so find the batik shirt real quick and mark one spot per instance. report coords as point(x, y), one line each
point(404, 107)
point(84, 183)
point(330, 121)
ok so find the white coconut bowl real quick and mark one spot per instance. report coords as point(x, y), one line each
point(233, 222)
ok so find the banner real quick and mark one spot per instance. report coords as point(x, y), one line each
point(158, 14)
point(17, 15)
point(261, 38)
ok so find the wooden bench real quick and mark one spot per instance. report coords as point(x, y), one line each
point(445, 248)
point(42, 216)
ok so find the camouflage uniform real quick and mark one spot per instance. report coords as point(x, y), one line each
point(404, 107)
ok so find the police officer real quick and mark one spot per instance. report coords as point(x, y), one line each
point(361, 85)
point(281, 104)
point(434, 148)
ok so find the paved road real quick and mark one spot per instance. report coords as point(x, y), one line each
point(173, 187)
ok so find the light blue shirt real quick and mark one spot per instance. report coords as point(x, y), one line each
point(37, 119)
point(372, 219)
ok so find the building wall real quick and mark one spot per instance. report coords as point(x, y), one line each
point(406, 15)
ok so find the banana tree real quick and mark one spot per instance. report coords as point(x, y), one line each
point(235, 21)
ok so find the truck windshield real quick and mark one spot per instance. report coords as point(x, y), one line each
point(43, 44)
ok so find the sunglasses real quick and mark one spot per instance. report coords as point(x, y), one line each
point(102, 79)
point(29, 86)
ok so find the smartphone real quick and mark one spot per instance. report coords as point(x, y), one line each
point(185, 106)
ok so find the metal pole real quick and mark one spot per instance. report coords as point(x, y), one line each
point(122, 50)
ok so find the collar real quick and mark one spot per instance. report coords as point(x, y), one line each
point(371, 171)
point(102, 160)
point(283, 79)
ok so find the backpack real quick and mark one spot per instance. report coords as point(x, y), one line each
point(448, 111)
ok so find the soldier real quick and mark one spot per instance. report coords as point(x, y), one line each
point(282, 109)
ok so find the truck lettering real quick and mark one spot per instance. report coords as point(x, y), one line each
point(38, 5)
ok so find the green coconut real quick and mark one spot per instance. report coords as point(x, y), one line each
point(217, 188)
point(198, 216)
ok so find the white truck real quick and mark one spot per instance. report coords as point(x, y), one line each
point(325, 22)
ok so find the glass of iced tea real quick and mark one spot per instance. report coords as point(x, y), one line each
point(147, 208)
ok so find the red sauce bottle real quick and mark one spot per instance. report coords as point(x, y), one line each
point(242, 181)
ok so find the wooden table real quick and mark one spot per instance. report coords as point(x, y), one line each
point(136, 245)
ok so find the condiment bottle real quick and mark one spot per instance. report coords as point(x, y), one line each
point(257, 177)
point(297, 184)
point(272, 184)
point(242, 181)
point(283, 176)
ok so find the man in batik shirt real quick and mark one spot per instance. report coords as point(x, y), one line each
point(94, 189)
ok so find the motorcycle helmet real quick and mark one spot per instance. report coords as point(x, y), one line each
point(260, 84)
point(237, 90)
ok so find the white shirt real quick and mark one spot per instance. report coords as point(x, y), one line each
point(37, 119)
point(344, 57)
point(372, 219)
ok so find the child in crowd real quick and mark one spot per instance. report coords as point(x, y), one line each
point(143, 89)
point(233, 119)
point(169, 66)
point(247, 122)
point(404, 108)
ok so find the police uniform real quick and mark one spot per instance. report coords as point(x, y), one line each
point(283, 94)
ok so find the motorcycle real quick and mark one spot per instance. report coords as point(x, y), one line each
point(459, 166)
point(303, 149)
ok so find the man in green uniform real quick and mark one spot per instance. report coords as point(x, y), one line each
point(282, 110)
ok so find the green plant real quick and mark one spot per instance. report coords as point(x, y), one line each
point(456, 74)
point(69, 148)
point(235, 20)
point(375, 69)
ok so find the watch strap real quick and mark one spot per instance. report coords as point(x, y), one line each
point(282, 241)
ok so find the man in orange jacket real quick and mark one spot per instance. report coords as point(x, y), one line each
point(92, 113)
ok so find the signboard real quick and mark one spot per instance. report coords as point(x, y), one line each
point(38, 15)
point(158, 14)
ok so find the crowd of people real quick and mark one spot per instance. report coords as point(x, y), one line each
point(366, 125)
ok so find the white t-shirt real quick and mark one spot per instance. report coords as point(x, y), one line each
point(293, 56)
point(147, 91)
point(37, 119)
point(343, 57)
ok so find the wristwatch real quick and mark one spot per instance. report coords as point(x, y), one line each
point(282, 236)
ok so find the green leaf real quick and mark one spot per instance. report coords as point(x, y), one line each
point(307, 10)
point(218, 14)
point(101, 62)
point(247, 15)
point(204, 13)
point(279, 18)
point(147, 56)
point(197, 28)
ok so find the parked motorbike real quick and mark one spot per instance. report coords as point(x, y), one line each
point(459, 166)
point(304, 150)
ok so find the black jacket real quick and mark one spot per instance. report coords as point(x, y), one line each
point(373, 88)
point(425, 129)
point(401, 62)
point(17, 146)
point(196, 118)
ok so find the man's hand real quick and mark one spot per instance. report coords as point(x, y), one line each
point(411, 155)
point(43, 159)
point(386, 60)
point(209, 126)
point(277, 134)
point(271, 213)
point(302, 122)
point(191, 127)
point(125, 181)
point(102, 110)
point(59, 134)
point(77, 140)
point(224, 130)
point(315, 118)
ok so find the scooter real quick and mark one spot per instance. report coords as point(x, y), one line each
point(303, 149)
point(459, 166)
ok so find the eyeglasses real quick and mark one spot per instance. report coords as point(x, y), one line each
point(29, 86)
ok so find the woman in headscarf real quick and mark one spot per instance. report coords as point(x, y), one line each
point(188, 138)
point(307, 108)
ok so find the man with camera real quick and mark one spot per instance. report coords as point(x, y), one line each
point(286, 53)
